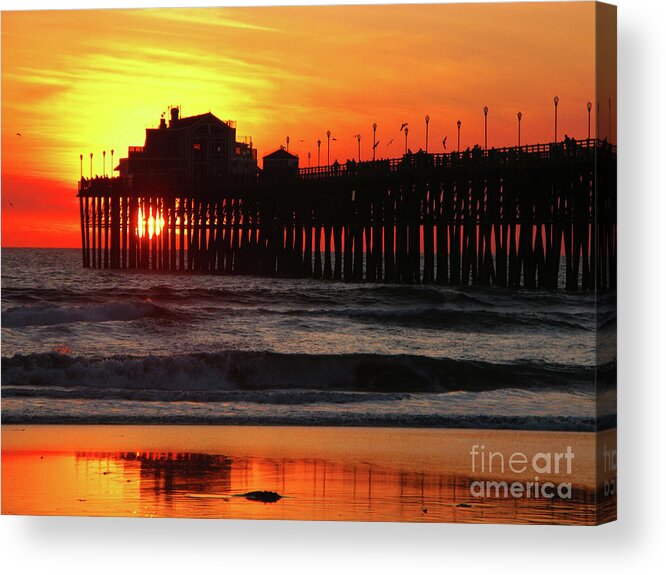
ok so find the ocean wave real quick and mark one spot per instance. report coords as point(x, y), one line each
point(450, 319)
point(238, 370)
point(405, 306)
point(340, 419)
point(263, 397)
point(24, 316)
point(309, 292)
point(330, 293)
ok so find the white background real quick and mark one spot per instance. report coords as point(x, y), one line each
point(632, 545)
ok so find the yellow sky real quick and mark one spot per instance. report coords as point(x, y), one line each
point(85, 81)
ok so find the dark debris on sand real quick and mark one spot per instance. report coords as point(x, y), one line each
point(263, 496)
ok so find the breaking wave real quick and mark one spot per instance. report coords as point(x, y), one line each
point(24, 316)
point(238, 370)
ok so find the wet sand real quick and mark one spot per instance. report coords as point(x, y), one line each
point(322, 473)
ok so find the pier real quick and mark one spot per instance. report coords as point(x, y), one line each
point(511, 217)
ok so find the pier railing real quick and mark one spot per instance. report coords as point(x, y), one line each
point(569, 150)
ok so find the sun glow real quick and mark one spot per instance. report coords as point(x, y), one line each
point(86, 81)
point(151, 225)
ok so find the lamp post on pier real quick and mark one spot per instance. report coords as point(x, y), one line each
point(319, 153)
point(520, 117)
point(589, 111)
point(358, 138)
point(374, 140)
point(556, 101)
point(485, 127)
point(104, 164)
point(287, 143)
point(111, 168)
point(406, 135)
point(91, 157)
point(427, 121)
point(328, 148)
point(308, 159)
point(81, 166)
point(459, 123)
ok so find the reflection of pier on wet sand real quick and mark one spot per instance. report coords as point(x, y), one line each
point(335, 474)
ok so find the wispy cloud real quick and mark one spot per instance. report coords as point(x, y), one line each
point(207, 17)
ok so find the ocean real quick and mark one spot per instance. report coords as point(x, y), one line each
point(108, 346)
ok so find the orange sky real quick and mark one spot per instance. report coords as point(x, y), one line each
point(85, 81)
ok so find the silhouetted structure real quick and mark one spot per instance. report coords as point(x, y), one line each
point(501, 217)
point(280, 164)
point(194, 149)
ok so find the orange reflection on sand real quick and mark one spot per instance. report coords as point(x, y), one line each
point(330, 474)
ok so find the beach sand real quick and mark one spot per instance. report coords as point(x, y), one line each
point(322, 473)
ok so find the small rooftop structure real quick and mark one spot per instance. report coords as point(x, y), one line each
point(280, 163)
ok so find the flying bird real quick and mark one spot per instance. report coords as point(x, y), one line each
point(375, 145)
point(18, 134)
point(404, 126)
point(389, 142)
point(444, 141)
point(301, 140)
point(334, 139)
point(11, 205)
